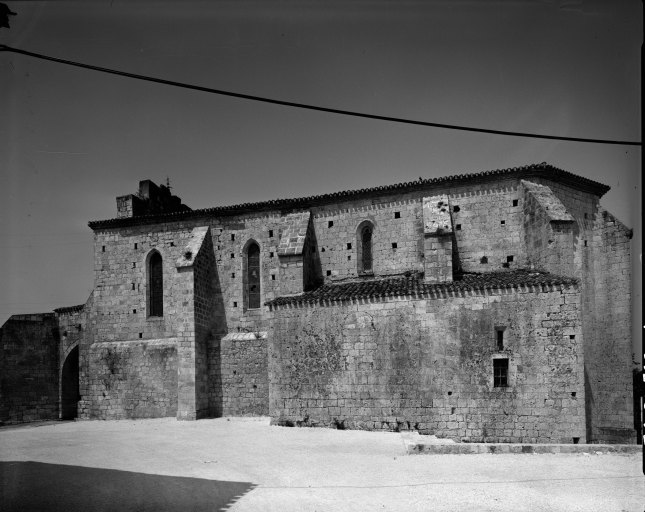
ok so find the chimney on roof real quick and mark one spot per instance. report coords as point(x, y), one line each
point(150, 199)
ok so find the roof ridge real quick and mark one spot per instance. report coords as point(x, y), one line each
point(69, 309)
point(414, 285)
point(547, 170)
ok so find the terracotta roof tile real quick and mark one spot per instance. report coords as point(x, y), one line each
point(70, 309)
point(413, 285)
point(542, 170)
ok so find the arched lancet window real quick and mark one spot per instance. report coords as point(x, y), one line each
point(252, 276)
point(155, 285)
point(364, 245)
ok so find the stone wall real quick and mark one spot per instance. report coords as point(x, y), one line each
point(121, 282)
point(548, 231)
point(133, 379)
point(230, 237)
point(210, 322)
point(607, 324)
point(427, 365)
point(29, 368)
point(488, 219)
point(243, 383)
point(602, 262)
point(487, 222)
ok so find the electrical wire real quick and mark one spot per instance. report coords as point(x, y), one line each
point(314, 107)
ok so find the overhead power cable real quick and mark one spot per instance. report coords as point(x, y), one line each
point(314, 107)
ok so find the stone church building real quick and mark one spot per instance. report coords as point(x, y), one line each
point(487, 307)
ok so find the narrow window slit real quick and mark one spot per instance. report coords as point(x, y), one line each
point(500, 339)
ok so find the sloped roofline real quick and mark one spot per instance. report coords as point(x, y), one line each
point(542, 170)
point(413, 284)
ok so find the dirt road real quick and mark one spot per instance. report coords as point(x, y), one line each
point(246, 465)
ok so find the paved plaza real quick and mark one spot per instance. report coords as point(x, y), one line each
point(246, 465)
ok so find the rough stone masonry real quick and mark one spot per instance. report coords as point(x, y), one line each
point(489, 307)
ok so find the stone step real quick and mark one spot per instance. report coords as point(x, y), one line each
point(418, 447)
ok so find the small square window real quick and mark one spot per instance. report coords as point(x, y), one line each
point(172, 244)
point(458, 227)
point(330, 223)
point(572, 336)
point(397, 215)
point(270, 233)
point(456, 208)
point(272, 277)
point(329, 272)
point(233, 274)
point(515, 202)
point(394, 245)
point(509, 259)
point(134, 264)
point(270, 255)
point(349, 258)
point(483, 260)
point(503, 222)
point(234, 304)
point(232, 255)
point(140, 335)
point(134, 311)
point(500, 373)
point(349, 246)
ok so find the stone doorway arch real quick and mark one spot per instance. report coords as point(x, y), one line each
point(69, 395)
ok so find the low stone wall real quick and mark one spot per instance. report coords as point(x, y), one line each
point(29, 369)
point(131, 379)
point(243, 375)
point(428, 365)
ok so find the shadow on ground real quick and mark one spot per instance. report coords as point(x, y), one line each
point(30, 486)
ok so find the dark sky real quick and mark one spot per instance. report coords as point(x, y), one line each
point(71, 140)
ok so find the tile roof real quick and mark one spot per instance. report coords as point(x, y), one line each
point(542, 170)
point(413, 284)
point(70, 309)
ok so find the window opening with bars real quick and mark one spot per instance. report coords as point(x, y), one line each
point(500, 373)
